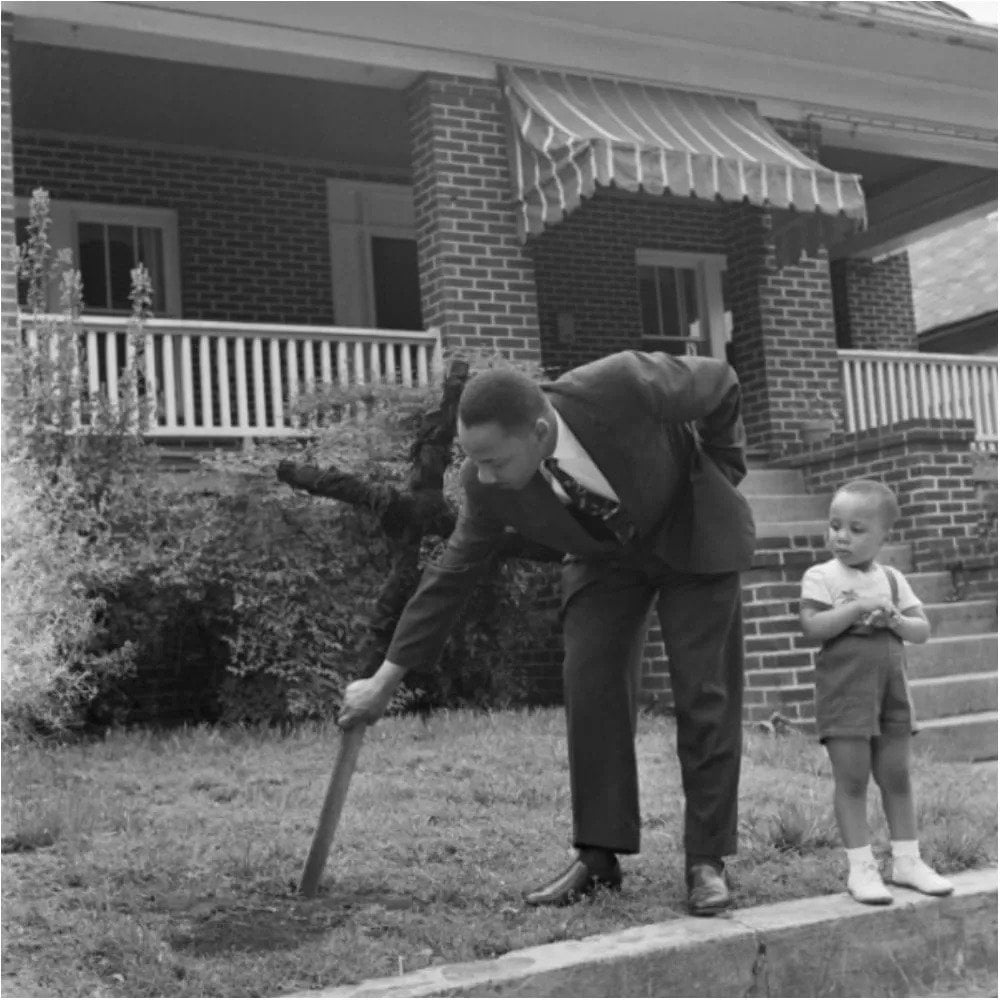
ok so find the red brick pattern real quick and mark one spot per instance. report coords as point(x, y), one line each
point(477, 284)
point(874, 303)
point(253, 233)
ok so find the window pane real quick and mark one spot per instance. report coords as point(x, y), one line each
point(669, 302)
point(397, 284)
point(90, 236)
point(647, 302)
point(692, 317)
point(122, 254)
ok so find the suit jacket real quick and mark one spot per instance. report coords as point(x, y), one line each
point(667, 434)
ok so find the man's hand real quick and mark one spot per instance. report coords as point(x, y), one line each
point(365, 701)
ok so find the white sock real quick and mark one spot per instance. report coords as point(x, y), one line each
point(858, 856)
point(905, 849)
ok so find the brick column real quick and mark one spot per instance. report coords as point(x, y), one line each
point(784, 347)
point(477, 282)
point(875, 303)
point(8, 316)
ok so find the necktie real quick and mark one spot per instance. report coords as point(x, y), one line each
point(592, 504)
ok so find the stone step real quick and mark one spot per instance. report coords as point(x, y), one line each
point(770, 481)
point(959, 737)
point(778, 507)
point(931, 588)
point(959, 654)
point(956, 694)
point(962, 617)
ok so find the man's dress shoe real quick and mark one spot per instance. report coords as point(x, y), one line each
point(708, 893)
point(576, 882)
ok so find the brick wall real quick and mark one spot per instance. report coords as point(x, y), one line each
point(585, 267)
point(254, 242)
point(874, 301)
point(8, 316)
point(784, 347)
point(477, 284)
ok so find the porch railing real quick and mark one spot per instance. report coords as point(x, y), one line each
point(240, 380)
point(885, 387)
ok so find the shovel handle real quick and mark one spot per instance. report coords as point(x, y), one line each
point(329, 816)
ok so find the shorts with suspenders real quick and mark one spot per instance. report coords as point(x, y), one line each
point(861, 686)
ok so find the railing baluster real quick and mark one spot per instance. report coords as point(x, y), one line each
point(111, 368)
point(222, 373)
point(343, 371)
point(375, 363)
point(260, 403)
point(310, 366)
point(325, 363)
point(406, 364)
point(169, 382)
point(242, 397)
point(277, 405)
point(883, 394)
point(965, 408)
point(205, 374)
point(187, 381)
point(292, 378)
point(359, 363)
point(150, 380)
point(423, 378)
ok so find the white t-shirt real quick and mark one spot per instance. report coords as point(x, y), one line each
point(832, 583)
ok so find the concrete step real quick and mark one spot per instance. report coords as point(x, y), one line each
point(766, 482)
point(956, 694)
point(959, 654)
point(962, 617)
point(931, 588)
point(778, 507)
point(959, 737)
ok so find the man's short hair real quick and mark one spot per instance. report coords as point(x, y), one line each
point(503, 396)
point(877, 491)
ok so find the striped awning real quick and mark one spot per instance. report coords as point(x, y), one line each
point(574, 133)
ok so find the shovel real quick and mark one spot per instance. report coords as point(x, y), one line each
point(329, 816)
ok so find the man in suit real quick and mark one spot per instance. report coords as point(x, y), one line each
point(629, 465)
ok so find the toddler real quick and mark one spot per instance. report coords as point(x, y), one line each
point(862, 612)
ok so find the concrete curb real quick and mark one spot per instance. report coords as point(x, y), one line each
point(825, 946)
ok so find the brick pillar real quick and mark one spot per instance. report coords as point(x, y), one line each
point(784, 348)
point(8, 314)
point(477, 283)
point(875, 303)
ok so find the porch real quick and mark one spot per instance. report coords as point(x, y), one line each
point(239, 381)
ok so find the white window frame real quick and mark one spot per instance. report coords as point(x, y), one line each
point(708, 269)
point(356, 211)
point(66, 216)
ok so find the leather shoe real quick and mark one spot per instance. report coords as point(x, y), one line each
point(576, 882)
point(708, 893)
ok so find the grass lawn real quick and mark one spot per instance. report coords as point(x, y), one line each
point(165, 864)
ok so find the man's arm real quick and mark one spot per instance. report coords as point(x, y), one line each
point(431, 612)
point(706, 393)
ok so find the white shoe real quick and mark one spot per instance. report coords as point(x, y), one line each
point(915, 874)
point(865, 884)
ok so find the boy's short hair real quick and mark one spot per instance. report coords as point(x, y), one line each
point(878, 491)
point(503, 396)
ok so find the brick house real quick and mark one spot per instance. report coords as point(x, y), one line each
point(341, 191)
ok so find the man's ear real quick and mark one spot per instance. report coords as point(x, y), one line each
point(541, 429)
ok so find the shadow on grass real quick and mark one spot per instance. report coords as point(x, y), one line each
point(224, 926)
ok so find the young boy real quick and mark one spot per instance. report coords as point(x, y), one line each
point(862, 612)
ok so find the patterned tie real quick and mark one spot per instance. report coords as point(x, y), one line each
point(592, 504)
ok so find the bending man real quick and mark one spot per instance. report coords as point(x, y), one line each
point(629, 465)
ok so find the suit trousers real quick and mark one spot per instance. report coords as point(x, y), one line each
point(605, 615)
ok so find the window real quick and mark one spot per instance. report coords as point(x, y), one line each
point(373, 252)
point(682, 302)
point(107, 242)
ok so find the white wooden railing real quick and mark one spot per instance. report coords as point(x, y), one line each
point(885, 387)
point(240, 380)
